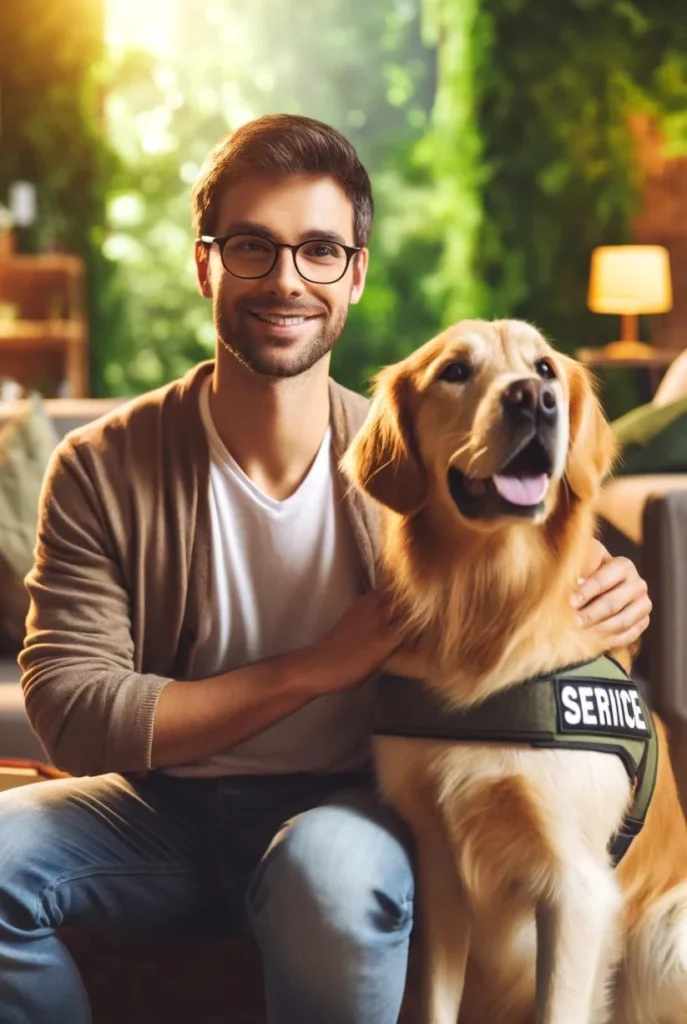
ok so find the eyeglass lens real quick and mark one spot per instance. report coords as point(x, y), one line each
point(251, 256)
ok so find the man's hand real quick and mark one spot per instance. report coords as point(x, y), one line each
point(363, 638)
point(612, 599)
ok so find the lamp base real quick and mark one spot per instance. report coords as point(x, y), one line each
point(629, 349)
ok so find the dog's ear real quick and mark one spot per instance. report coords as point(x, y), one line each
point(383, 459)
point(591, 447)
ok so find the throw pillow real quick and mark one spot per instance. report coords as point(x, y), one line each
point(664, 452)
point(643, 424)
point(26, 444)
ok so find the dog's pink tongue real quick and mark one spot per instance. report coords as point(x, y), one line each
point(522, 490)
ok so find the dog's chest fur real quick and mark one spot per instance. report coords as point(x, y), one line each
point(511, 818)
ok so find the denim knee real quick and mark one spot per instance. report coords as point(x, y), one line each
point(337, 877)
point(26, 836)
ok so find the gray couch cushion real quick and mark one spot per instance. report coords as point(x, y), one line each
point(26, 445)
point(66, 413)
point(622, 499)
point(17, 739)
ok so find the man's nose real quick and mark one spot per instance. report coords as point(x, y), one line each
point(284, 278)
point(531, 398)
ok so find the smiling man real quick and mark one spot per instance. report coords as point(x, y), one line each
point(204, 628)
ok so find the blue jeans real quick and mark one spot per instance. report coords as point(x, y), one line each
point(315, 865)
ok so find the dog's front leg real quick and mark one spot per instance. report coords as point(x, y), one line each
point(444, 929)
point(576, 932)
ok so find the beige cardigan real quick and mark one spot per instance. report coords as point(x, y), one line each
point(121, 573)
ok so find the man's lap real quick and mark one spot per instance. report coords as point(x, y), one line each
point(117, 853)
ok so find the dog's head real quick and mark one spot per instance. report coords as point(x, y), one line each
point(488, 421)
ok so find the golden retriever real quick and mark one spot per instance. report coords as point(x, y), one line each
point(486, 450)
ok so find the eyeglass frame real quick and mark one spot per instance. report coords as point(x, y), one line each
point(221, 240)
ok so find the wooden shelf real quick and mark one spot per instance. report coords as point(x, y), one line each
point(659, 358)
point(46, 345)
point(42, 263)
point(18, 331)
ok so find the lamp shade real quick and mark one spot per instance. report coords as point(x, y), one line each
point(630, 279)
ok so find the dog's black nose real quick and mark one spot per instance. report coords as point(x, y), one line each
point(531, 398)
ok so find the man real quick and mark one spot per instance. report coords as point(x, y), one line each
point(202, 606)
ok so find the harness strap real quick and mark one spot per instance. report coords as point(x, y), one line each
point(557, 710)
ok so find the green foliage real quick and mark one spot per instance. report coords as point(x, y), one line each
point(556, 88)
point(451, 153)
point(422, 276)
point(495, 133)
point(51, 65)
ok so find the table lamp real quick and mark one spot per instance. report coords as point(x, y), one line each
point(629, 280)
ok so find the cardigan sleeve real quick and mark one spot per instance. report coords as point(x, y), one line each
point(89, 707)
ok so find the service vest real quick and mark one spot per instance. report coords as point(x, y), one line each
point(591, 706)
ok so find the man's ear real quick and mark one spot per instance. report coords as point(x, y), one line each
point(591, 448)
point(383, 459)
point(202, 254)
point(360, 265)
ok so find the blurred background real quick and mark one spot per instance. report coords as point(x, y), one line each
point(506, 140)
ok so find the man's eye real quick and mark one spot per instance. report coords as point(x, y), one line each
point(545, 369)
point(456, 373)
point(324, 252)
point(247, 243)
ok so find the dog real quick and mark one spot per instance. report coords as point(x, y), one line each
point(486, 450)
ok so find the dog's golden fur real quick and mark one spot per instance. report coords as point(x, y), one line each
point(511, 841)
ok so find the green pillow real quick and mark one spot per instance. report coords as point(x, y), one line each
point(665, 452)
point(26, 444)
point(641, 425)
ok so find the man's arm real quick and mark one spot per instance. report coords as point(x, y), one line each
point(198, 719)
point(92, 711)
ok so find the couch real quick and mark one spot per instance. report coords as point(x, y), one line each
point(17, 739)
point(644, 517)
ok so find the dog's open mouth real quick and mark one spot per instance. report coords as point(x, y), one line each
point(518, 489)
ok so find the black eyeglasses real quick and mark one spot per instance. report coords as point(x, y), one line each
point(317, 260)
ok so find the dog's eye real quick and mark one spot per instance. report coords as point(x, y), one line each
point(455, 373)
point(545, 369)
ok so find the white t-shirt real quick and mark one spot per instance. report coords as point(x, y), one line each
point(283, 573)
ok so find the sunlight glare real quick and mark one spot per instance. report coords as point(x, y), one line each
point(148, 26)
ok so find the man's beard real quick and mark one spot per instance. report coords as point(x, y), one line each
point(275, 361)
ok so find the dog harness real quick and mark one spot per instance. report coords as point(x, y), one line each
point(591, 706)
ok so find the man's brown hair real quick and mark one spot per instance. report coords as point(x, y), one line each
point(283, 144)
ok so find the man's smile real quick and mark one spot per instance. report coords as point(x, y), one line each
point(283, 320)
